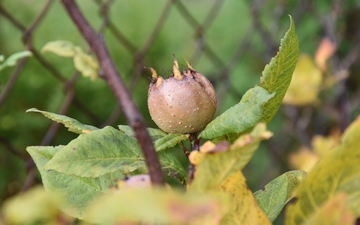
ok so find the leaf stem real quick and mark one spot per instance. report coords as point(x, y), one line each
point(112, 76)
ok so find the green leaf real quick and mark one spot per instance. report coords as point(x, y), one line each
point(258, 104)
point(338, 172)
point(241, 117)
point(157, 206)
point(77, 191)
point(277, 74)
point(72, 124)
point(105, 151)
point(97, 153)
point(154, 133)
point(217, 167)
point(60, 48)
point(171, 166)
point(162, 140)
point(169, 141)
point(278, 192)
point(12, 60)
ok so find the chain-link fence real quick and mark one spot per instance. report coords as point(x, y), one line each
point(228, 41)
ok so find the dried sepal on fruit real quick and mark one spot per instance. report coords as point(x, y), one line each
point(183, 103)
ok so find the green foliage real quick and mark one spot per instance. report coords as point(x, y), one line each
point(77, 191)
point(337, 173)
point(241, 117)
point(162, 140)
point(100, 158)
point(260, 103)
point(277, 74)
point(72, 124)
point(278, 192)
point(97, 153)
point(12, 60)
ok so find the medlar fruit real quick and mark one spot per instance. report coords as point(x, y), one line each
point(183, 103)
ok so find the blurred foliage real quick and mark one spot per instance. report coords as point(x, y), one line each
point(242, 36)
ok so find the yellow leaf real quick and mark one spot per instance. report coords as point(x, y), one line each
point(244, 208)
point(161, 205)
point(333, 212)
point(323, 145)
point(32, 206)
point(61, 48)
point(305, 83)
point(86, 64)
point(338, 172)
point(304, 159)
point(215, 165)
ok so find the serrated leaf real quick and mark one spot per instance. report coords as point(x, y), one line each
point(72, 124)
point(278, 192)
point(77, 191)
point(61, 48)
point(86, 64)
point(217, 167)
point(259, 105)
point(241, 117)
point(97, 153)
point(171, 166)
point(338, 172)
point(162, 140)
point(12, 59)
point(244, 208)
point(153, 132)
point(277, 74)
point(157, 206)
point(105, 151)
point(333, 212)
point(169, 141)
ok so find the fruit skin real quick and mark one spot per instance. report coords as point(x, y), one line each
point(183, 103)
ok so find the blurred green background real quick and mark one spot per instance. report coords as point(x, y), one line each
point(230, 42)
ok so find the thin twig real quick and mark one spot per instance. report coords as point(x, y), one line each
point(118, 87)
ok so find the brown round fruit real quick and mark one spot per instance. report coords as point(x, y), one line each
point(184, 103)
